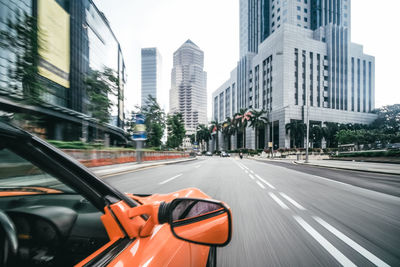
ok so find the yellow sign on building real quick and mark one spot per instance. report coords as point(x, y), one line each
point(53, 23)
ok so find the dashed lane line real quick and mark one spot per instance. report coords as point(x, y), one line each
point(342, 259)
point(260, 184)
point(291, 200)
point(170, 179)
point(265, 182)
point(277, 200)
point(251, 176)
point(371, 257)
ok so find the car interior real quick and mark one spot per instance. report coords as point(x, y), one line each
point(54, 225)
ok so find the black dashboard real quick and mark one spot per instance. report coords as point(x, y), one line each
point(54, 229)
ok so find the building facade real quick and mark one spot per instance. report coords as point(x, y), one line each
point(188, 94)
point(151, 74)
point(83, 42)
point(304, 51)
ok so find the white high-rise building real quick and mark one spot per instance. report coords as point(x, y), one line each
point(290, 49)
point(151, 74)
point(188, 94)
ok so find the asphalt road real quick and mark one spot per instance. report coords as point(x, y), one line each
point(285, 216)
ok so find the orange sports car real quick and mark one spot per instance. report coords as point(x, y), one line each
point(55, 212)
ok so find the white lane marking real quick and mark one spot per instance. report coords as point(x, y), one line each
point(240, 167)
point(260, 184)
point(197, 166)
point(246, 171)
point(371, 257)
point(265, 182)
point(170, 179)
point(291, 200)
point(342, 259)
point(277, 200)
point(244, 166)
point(251, 176)
point(251, 171)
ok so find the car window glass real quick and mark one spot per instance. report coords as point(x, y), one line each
point(20, 176)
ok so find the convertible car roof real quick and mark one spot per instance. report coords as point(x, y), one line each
point(12, 131)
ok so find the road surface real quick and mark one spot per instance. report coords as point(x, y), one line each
point(289, 216)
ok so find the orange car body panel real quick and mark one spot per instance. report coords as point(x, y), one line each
point(160, 248)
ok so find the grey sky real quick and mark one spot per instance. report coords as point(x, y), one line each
point(214, 26)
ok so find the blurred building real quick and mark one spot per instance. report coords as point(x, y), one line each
point(80, 42)
point(188, 94)
point(290, 49)
point(151, 74)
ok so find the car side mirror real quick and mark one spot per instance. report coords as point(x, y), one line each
point(200, 221)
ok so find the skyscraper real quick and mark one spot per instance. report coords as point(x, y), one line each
point(188, 94)
point(297, 55)
point(151, 73)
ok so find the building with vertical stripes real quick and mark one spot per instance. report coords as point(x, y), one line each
point(290, 49)
point(188, 94)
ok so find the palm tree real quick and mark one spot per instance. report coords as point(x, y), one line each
point(203, 133)
point(257, 121)
point(316, 134)
point(228, 129)
point(329, 133)
point(215, 127)
point(242, 118)
point(296, 129)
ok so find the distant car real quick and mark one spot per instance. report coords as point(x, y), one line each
point(199, 154)
point(54, 212)
point(208, 153)
point(224, 154)
point(394, 146)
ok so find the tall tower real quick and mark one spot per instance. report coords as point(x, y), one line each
point(151, 74)
point(188, 94)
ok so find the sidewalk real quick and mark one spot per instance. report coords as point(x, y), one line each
point(385, 168)
point(109, 170)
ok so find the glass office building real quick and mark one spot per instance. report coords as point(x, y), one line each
point(89, 44)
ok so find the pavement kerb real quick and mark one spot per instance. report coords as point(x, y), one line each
point(139, 167)
point(324, 166)
point(344, 168)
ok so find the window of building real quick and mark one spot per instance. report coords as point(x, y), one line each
point(279, 18)
point(298, 8)
point(298, 17)
point(305, 19)
point(305, 10)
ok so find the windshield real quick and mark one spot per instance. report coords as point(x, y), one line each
point(21, 177)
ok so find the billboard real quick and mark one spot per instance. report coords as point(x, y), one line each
point(53, 24)
point(139, 132)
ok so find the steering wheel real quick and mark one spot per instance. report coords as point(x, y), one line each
point(8, 239)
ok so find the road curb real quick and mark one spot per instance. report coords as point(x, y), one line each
point(137, 168)
point(343, 168)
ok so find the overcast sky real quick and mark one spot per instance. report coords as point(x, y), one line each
point(214, 26)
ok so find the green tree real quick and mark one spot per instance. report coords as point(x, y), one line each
point(329, 131)
point(257, 122)
point(215, 127)
point(176, 130)
point(242, 119)
point(388, 119)
point(316, 134)
point(296, 130)
point(23, 39)
point(154, 121)
point(203, 133)
point(100, 85)
point(228, 129)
